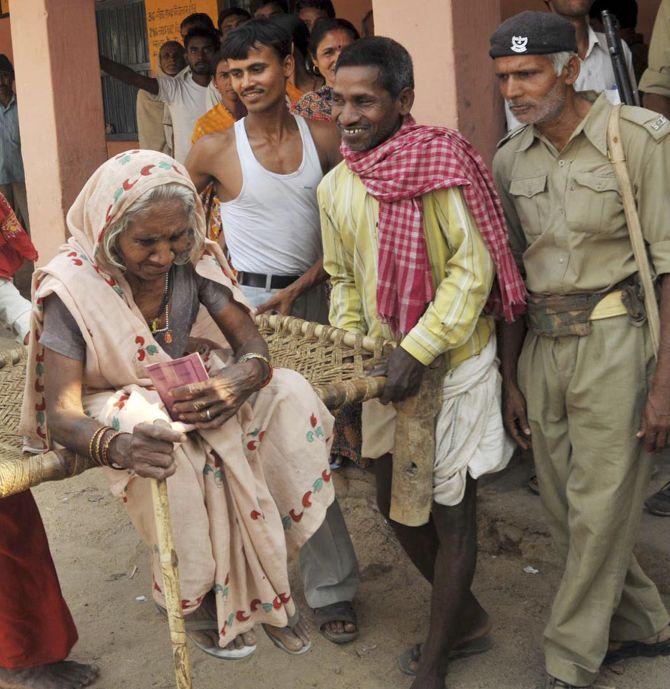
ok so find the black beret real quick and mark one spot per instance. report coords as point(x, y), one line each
point(5, 64)
point(533, 33)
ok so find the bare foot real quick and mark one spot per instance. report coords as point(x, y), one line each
point(428, 682)
point(479, 628)
point(64, 675)
point(340, 627)
point(210, 638)
point(660, 638)
point(292, 639)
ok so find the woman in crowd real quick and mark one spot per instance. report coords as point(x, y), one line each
point(329, 37)
point(248, 456)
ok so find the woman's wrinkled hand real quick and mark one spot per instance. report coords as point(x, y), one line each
point(148, 450)
point(211, 403)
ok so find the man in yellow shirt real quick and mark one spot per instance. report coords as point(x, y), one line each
point(408, 219)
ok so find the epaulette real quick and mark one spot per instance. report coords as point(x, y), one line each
point(656, 125)
point(510, 135)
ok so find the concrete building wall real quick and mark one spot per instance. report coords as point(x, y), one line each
point(448, 42)
point(65, 141)
point(6, 38)
point(353, 10)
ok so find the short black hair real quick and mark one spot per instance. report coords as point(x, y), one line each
point(325, 5)
point(282, 4)
point(394, 63)
point(202, 33)
point(296, 28)
point(233, 11)
point(325, 26)
point(6, 64)
point(167, 43)
point(624, 10)
point(218, 57)
point(200, 18)
point(253, 33)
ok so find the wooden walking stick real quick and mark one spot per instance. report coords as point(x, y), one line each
point(168, 560)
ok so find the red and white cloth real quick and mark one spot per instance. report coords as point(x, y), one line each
point(416, 160)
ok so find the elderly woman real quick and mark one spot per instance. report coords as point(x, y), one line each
point(329, 38)
point(246, 463)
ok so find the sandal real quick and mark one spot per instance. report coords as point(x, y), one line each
point(659, 502)
point(342, 611)
point(638, 649)
point(282, 647)
point(193, 626)
point(413, 654)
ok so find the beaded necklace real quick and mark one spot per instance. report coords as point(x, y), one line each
point(165, 308)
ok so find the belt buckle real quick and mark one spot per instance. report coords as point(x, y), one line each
point(268, 283)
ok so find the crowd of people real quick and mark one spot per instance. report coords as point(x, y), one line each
point(281, 170)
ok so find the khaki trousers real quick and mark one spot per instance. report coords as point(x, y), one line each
point(585, 397)
point(15, 193)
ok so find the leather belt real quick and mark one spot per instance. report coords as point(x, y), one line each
point(267, 281)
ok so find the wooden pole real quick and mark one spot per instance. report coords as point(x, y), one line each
point(168, 561)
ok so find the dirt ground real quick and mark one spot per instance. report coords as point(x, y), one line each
point(105, 577)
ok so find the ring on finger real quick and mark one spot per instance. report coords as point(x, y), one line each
point(208, 415)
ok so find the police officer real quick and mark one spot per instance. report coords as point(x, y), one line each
point(578, 375)
point(656, 80)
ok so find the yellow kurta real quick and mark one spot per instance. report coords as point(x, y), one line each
point(463, 271)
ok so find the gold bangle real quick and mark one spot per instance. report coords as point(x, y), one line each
point(105, 448)
point(255, 355)
point(94, 444)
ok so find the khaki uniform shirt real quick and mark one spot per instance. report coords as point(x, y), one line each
point(564, 213)
point(657, 77)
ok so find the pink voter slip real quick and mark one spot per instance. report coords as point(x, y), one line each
point(175, 374)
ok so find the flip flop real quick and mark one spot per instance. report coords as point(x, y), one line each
point(336, 612)
point(413, 653)
point(216, 651)
point(637, 649)
point(282, 647)
point(211, 626)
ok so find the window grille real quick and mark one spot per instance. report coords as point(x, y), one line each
point(122, 36)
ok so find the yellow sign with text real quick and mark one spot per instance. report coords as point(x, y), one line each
point(164, 18)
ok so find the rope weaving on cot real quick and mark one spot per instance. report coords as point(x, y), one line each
point(334, 361)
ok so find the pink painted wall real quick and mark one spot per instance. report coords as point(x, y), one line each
point(60, 112)
point(353, 10)
point(6, 38)
point(448, 42)
point(116, 147)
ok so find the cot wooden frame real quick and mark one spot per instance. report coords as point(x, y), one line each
point(334, 361)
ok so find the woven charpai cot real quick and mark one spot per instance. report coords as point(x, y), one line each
point(334, 361)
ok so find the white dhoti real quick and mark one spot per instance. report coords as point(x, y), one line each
point(469, 432)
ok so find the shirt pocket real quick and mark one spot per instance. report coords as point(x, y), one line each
point(593, 203)
point(529, 194)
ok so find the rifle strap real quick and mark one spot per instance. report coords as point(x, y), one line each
point(618, 158)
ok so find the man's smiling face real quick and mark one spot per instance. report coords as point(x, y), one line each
point(363, 110)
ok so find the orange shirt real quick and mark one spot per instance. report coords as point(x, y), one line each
point(218, 119)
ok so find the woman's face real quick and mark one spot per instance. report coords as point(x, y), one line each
point(150, 243)
point(329, 50)
point(223, 84)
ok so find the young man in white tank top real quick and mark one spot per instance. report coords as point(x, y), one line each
point(266, 170)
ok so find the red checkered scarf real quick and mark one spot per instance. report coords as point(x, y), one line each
point(416, 160)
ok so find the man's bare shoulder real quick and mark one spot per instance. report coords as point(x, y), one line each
point(216, 144)
point(324, 133)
